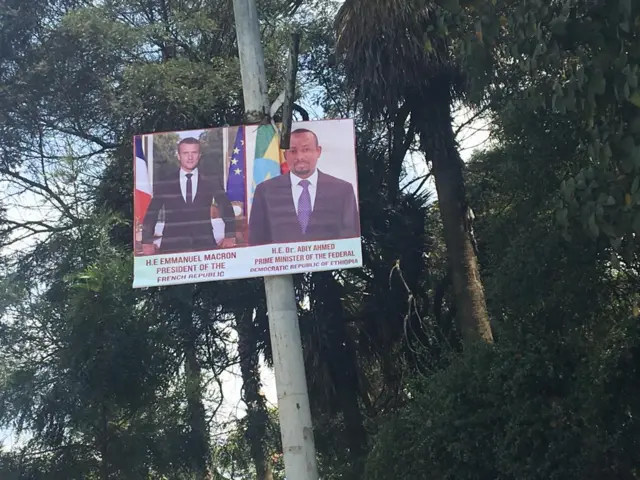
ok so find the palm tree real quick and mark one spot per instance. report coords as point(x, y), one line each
point(396, 62)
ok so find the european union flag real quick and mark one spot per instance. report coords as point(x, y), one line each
point(236, 185)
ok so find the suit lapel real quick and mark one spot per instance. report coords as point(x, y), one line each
point(202, 187)
point(176, 191)
point(320, 201)
point(288, 195)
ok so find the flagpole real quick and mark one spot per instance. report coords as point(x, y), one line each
point(296, 429)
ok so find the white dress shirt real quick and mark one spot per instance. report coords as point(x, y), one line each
point(194, 184)
point(296, 189)
point(217, 224)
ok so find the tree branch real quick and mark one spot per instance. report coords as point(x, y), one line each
point(84, 136)
point(45, 189)
point(468, 122)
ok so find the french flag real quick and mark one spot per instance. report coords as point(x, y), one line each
point(143, 189)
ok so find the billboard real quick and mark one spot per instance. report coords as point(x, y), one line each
point(227, 203)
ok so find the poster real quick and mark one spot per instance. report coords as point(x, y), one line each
point(227, 203)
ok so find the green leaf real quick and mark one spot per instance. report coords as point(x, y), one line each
point(628, 252)
point(561, 216)
point(589, 173)
point(615, 261)
point(569, 189)
point(627, 163)
point(427, 45)
point(628, 144)
point(616, 242)
point(452, 6)
point(636, 223)
point(635, 98)
point(610, 201)
point(600, 84)
point(625, 7)
point(593, 227)
point(636, 156)
point(559, 26)
point(607, 229)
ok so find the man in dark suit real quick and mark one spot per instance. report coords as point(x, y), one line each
point(305, 204)
point(187, 196)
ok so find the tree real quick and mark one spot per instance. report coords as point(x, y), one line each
point(419, 86)
point(113, 70)
point(233, 455)
point(257, 413)
point(82, 373)
point(580, 60)
point(540, 403)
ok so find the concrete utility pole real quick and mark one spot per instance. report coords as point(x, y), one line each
point(298, 445)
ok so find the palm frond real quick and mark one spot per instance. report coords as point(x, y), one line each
point(389, 52)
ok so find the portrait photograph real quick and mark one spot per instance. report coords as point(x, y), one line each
point(314, 194)
point(190, 192)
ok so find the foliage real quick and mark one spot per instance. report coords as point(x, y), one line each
point(86, 363)
point(417, 91)
point(541, 403)
point(232, 455)
point(579, 59)
point(532, 407)
point(107, 382)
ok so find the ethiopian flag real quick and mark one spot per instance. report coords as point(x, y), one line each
point(268, 159)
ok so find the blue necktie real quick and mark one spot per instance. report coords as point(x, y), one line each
point(304, 206)
point(189, 189)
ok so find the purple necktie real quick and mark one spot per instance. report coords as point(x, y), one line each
point(189, 189)
point(304, 206)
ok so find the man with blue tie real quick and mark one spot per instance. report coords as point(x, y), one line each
point(306, 204)
point(187, 196)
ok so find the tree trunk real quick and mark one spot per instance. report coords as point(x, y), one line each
point(353, 418)
point(343, 364)
point(199, 432)
point(438, 141)
point(257, 416)
point(400, 141)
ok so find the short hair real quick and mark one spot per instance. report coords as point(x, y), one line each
point(188, 141)
point(305, 130)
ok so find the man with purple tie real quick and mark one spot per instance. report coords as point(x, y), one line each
point(305, 204)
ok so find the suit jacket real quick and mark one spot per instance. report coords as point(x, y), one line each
point(187, 227)
point(273, 216)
